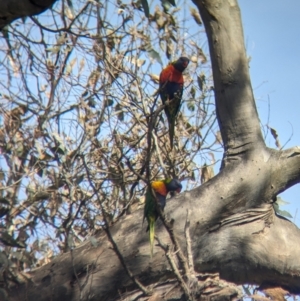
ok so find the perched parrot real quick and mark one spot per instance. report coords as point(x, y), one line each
point(161, 189)
point(171, 88)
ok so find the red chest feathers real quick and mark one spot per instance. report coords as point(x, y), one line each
point(170, 74)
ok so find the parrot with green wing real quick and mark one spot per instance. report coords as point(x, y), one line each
point(161, 189)
point(171, 88)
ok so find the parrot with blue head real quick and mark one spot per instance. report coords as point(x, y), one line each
point(161, 189)
point(171, 88)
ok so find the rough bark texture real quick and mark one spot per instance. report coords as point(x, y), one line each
point(233, 226)
point(11, 10)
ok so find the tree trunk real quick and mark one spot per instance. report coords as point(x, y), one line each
point(11, 10)
point(235, 231)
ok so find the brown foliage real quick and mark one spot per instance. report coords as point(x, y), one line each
point(76, 85)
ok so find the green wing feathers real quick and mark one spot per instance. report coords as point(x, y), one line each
point(151, 215)
point(161, 189)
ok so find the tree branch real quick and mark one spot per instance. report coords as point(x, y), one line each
point(11, 10)
point(236, 110)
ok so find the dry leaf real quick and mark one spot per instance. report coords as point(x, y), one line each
point(154, 77)
point(206, 173)
point(196, 16)
point(275, 136)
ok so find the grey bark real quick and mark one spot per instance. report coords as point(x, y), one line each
point(11, 10)
point(234, 229)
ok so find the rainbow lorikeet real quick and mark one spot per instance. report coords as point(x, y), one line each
point(161, 189)
point(171, 88)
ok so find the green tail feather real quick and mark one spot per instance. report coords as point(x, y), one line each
point(151, 233)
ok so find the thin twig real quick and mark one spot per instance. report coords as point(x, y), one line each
point(75, 273)
point(110, 238)
point(174, 267)
point(169, 227)
point(158, 152)
point(188, 244)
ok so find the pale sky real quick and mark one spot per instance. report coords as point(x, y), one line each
point(272, 38)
